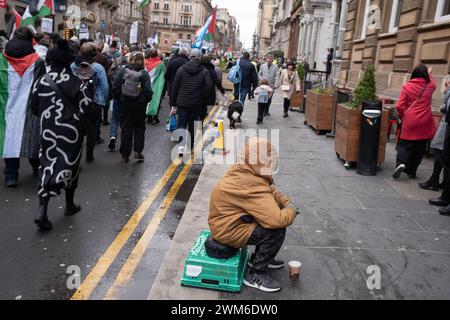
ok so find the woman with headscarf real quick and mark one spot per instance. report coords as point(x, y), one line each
point(245, 209)
point(417, 123)
point(156, 70)
point(61, 101)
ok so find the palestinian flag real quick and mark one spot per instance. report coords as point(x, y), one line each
point(212, 27)
point(16, 80)
point(143, 3)
point(36, 9)
point(17, 22)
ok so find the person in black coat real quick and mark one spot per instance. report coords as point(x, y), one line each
point(330, 58)
point(133, 111)
point(174, 65)
point(206, 62)
point(191, 90)
point(249, 80)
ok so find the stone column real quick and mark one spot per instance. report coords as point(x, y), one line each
point(313, 45)
point(300, 41)
point(342, 25)
point(308, 40)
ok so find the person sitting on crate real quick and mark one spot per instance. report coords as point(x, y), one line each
point(245, 209)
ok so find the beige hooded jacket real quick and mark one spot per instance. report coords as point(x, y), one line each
point(246, 189)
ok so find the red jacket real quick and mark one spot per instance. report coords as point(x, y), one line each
point(417, 122)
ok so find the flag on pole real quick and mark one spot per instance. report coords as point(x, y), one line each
point(17, 23)
point(143, 3)
point(201, 34)
point(36, 9)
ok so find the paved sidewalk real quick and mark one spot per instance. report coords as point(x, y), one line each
point(347, 223)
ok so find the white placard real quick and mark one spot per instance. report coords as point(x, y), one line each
point(47, 25)
point(134, 32)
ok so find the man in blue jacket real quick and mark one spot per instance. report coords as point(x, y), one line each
point(93, 73)
point(249, 81)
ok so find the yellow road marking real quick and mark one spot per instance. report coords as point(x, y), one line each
point(133, 260)
point(93, 278)
point(136, 255)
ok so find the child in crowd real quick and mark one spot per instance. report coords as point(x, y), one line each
point(264, 93)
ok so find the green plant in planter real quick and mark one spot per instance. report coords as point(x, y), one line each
point(366, 89)
point(328, 90)
point(301, 72)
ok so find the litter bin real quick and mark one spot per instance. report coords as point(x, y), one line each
point(369, 138)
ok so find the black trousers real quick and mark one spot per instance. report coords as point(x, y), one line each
point(105, 112)
point(410, 153)
point(12, 166)
point(446, 161)
point(438, 166)
point(287, 104)
point(267, 107)
point(262, 110)
point(268, 243)
point(94, 117)
point(132, 124)
point(186, 120)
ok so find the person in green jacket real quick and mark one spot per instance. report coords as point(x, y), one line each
point(156, 69)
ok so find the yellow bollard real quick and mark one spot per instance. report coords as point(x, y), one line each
point(219, 143)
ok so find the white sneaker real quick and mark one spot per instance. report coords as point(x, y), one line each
point(398, 171)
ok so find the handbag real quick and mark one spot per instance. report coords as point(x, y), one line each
point(287, 87)
point(172, 123)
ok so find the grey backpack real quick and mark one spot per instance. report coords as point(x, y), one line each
point(131, 87)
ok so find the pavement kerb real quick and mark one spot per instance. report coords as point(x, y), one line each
point(167, 285)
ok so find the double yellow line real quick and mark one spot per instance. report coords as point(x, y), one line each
point(94, 277)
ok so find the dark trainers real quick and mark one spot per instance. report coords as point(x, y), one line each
point(11, 183)
point(398, 171)
point(429, 185)
point(139, 157)
point(112, 144)
point(261, 282)
point(275, 264)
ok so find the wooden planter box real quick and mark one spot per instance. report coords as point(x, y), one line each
point(319, 111)
point(348, 134)
point(297, 100)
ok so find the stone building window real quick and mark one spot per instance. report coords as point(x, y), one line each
point(166, 20)
point(186, 20)
point(365, 19)
point(166, 5)
point(156, 5)
point(395, 13)
point(442, 10)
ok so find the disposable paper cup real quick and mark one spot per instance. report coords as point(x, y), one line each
point(294, 269)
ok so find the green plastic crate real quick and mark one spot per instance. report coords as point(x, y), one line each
point(202, 271)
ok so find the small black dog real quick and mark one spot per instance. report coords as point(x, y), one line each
point(235, 110)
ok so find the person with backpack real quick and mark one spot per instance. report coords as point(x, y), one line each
point(190, 93)
point(60, 99)
point(269, 71)
point(94, 76)
point(118, 62)
point(206, 63)
point(106, 63)
point(132, 88)
point(264, 93)
point(243, 76)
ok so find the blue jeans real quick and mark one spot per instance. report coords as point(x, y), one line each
point(242, 95)
point(114, 127)
point(12, 166)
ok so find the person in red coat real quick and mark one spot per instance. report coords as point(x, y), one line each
point(418, 125)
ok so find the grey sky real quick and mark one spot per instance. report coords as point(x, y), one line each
point(246, 12)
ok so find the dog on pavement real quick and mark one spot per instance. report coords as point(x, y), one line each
point(235, 110)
